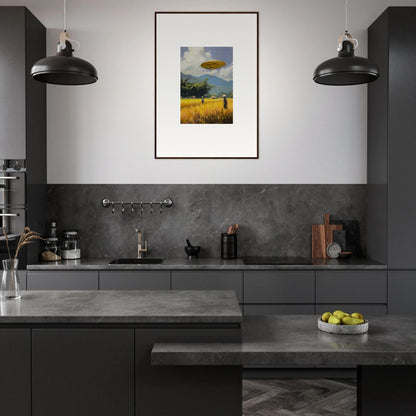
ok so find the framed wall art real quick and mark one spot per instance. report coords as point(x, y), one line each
point(206, 85)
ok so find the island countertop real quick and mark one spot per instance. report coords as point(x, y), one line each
point(295, 341)
point(122, 307)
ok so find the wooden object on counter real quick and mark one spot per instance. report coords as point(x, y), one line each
point(232, 229)
point(322, 235)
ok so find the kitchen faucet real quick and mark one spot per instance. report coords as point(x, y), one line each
point(140, 250)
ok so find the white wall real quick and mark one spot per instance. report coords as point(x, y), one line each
point(104, 133)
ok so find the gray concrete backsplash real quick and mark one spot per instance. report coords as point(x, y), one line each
point(275, 220)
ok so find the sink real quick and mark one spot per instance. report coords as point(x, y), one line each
point(137, 261)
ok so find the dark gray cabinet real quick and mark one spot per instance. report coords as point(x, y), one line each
point(159, 388)
point(22, 100)
point(82, 372)
point(279, 292)
point(364, 308)
point(279, 309)
point(135, 280)
point(368, 286)
point(22, 279)
point(62, 280)
point(23, 118)
point(402, 291)
point(209, 280)
point(391, 220)
point(15, 379)
point(391, 140)
point(279, 287)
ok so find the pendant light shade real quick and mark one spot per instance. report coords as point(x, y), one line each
point(346, 68)
point(64, 69)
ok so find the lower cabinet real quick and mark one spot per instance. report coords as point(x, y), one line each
point(15, 378)
point(363, 291)
point(21, 274)
point(277, 292)
point(135, 280)
point(209, 280)
point(81, 372)
point(351, 286)
point(364, 308)
point(287, 309)
point(62, 280)
point(402, 291)
point(186, 390)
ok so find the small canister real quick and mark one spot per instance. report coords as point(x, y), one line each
point(70, 246)
point(228, 246)
point(50, 250)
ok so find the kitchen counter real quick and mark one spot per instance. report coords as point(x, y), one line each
point(295, 341)
point(211, 264)
point(127, 307)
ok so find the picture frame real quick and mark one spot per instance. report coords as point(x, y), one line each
point(206, 85)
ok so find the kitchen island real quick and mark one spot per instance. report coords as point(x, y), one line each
point(89, 353)
point(385, 358)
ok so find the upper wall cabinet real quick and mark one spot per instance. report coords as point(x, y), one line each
point(22, 100)
point(391, 139)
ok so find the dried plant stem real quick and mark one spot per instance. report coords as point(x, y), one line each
point(7, 242)
point(26, 238)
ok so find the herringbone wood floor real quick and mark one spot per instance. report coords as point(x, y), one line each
point(295, 397)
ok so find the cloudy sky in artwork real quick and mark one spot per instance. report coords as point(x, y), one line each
point(193, 57)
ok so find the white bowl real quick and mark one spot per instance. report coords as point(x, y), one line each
point(343, 329)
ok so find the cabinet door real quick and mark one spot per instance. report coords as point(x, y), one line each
point(190, 390)
point(83, 372)
point(402, 292)
point(279, 287)
point(135, 280)
point(209, 280)
point(355, 286)
point(15, 372)
point(12, 86)
point(22, 279)
point(62, 280)
point(364, 308)
point(265, 309)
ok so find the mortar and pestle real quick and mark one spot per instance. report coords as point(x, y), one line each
point(192, 251)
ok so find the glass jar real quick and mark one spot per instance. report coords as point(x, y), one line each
point(10, 287)
point(70, 246)
point(51, 250)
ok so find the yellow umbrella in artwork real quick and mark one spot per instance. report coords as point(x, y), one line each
point(213, 64)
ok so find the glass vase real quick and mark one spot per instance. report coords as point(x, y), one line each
point(10, 287)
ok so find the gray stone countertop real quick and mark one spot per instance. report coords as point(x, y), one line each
point(121, 307)
point(295, 341)
point(210, 264)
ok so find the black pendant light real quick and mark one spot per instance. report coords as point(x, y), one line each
point(64, 68)
point(346, 68)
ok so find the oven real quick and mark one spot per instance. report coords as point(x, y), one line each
point(12, 202)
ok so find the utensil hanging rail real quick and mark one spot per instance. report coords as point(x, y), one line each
point(132, 206)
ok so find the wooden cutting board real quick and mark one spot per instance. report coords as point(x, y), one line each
point(322, 235)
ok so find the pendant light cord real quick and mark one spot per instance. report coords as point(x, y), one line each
point(64, 15)
point(346, 16)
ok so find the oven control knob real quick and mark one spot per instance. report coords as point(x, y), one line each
point(16, 166)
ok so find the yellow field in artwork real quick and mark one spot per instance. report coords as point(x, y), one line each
point(212, 111)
